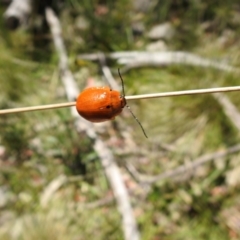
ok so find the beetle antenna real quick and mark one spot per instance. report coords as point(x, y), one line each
point(129, 109)
point(123, 89)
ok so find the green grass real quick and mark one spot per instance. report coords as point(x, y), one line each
point(40, 146)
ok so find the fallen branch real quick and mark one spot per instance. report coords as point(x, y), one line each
point(156, 59)
point(183, 169)
point(18, 13)
point(107, 159)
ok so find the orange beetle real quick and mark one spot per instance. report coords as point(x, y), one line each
point(99, 104)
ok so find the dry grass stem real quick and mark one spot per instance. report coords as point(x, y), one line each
point(107, 73)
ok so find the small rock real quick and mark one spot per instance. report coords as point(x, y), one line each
point(226, 38)
point(2, 152)
point(5, 196)
point(24, 197)
point(138, 28)
point(143, 5)
point(236, 17)
point(157, 46)
point(233, 177)
point(161, 31)
point(81, 23)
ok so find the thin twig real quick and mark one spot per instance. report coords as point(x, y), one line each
point(135, 97)
point(107, 72)
point(51, 188)
point(183, 168)
point(229, 109)
point(99, 203)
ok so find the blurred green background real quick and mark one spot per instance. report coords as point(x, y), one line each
point(37, 148)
